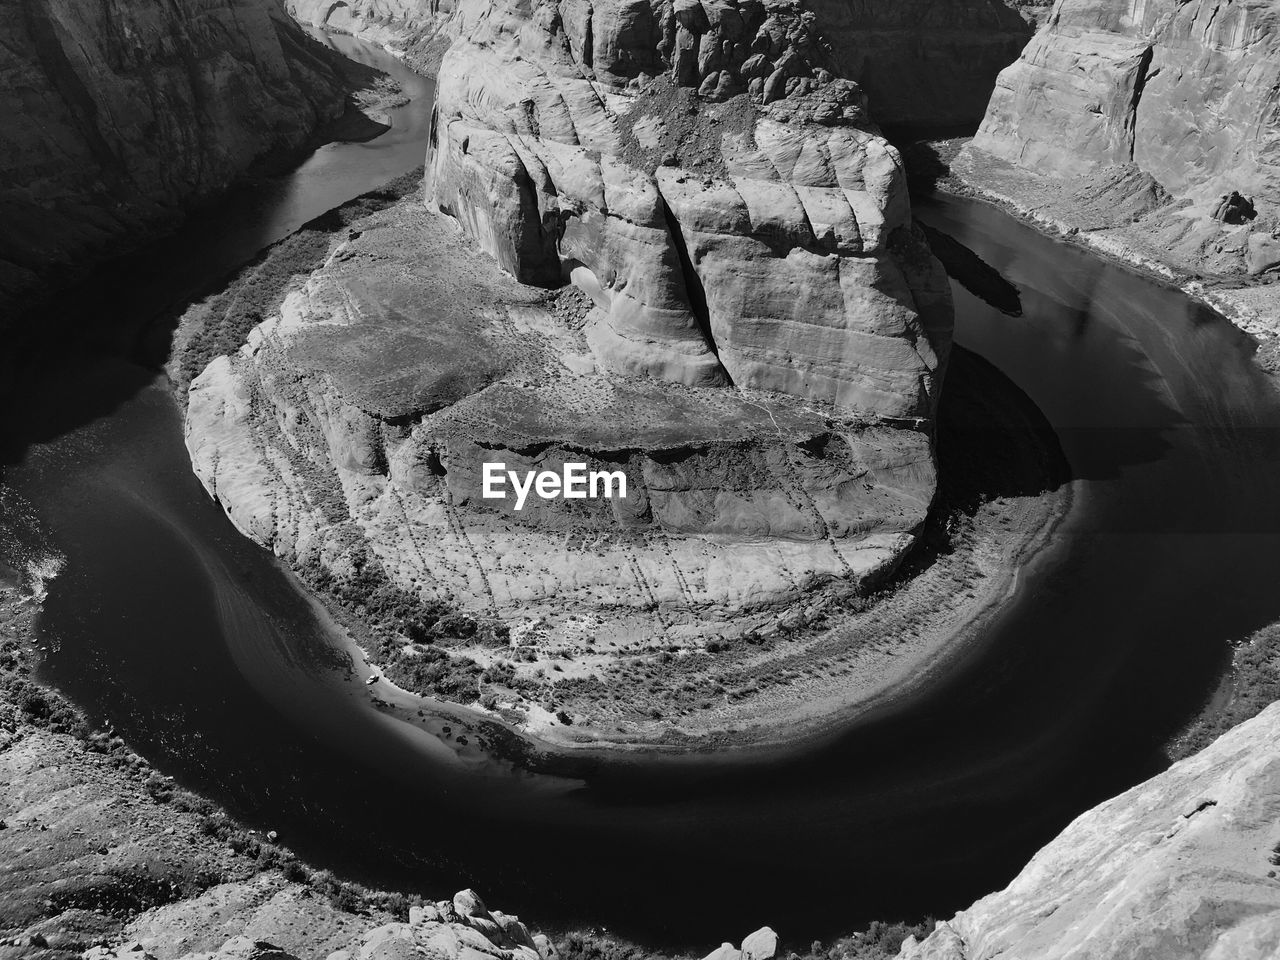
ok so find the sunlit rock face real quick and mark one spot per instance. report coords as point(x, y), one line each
point(1178, 868)
point(1186, 91)
point(115, 114)
point(757, 234)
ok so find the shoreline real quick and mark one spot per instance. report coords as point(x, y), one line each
point(885, 678)
point(1037, 202)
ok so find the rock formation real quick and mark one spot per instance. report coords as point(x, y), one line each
point(116, 114)
point(749, 331)
point(1183, 866)
point(359, 419)
point(415, 29)
point(1164, 97)
point(770, 250)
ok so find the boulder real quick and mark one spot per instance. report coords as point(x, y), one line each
point(761, 945)
point(468, 905)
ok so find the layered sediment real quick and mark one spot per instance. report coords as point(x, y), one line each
point(116, 115)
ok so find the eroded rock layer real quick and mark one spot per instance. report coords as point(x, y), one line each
point(115, 114)
point(1183, 866)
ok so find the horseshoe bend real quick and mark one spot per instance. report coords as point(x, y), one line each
point(669, 465)
point(728, 305)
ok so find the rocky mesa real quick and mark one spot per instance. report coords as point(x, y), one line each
point(702, 277)
point(116, 114)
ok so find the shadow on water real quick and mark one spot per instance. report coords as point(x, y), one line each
point(197, 647)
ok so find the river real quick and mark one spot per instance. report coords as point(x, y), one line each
point(200, 650)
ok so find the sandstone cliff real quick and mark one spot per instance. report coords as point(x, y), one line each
point(116, 114)
point(765, 247)
point(1182, 866)
point(1152, 111)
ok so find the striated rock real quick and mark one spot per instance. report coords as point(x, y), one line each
point(360, 419)
point(115, 115)
point(1183, 866)
point(772, 254)
point(722, 305)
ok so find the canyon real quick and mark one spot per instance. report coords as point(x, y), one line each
point(118, 116)
point(677, 250)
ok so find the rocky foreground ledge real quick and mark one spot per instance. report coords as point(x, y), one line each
point(1186, 865)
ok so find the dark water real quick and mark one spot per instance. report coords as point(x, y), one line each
point(196, 646)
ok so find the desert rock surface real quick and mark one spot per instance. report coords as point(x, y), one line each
point(1183, 866)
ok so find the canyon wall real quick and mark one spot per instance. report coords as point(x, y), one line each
point(1188, 91)
point(923, 62)
point(116, 114)
point(1183, 866)
point(415, 29)
point(1154, 111)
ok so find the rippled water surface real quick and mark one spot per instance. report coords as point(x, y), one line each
point(198, 648)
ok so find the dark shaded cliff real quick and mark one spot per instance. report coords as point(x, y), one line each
point(116, 114)
point(923, 62)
